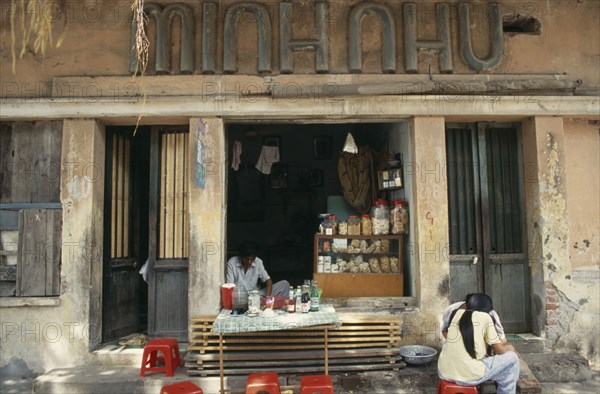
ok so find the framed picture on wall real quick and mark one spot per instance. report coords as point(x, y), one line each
point(322, 148)
point(279, 176)
point(272, 141)
point(315, 177)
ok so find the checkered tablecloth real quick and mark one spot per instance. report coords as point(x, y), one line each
point(225, 323)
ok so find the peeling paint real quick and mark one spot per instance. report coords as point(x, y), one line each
point(79, 189)
point(558, 334)
point(582, 248)
point(555, 207)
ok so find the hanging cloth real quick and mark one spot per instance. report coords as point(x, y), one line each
point(268, 156)
point(357, 177)
point(236, 154)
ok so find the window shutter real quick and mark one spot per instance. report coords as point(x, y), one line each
point(39, 253)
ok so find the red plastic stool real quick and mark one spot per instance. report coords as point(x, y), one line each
point(186, 387)
point(258, 382)
point(316, 384)
point(170, 350)
point(446, 387)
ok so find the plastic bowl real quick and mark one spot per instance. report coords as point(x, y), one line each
point(417, 354)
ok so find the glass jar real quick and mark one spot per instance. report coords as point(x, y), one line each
point(330, 225)
point(366, 225)
point(343, 227)
point(380, 216)
point(399, 216)
point(322, 218)
point(240, 301)
point(254, 301)
point(353, 225)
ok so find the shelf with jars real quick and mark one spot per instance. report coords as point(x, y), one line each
point(359, 265)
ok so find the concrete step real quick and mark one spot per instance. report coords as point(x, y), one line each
point(526, 343)
point(552, 367)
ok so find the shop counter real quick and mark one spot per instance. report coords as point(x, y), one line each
point(225, 323)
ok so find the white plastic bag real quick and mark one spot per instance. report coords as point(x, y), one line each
point(350, 145)
point(144, 271)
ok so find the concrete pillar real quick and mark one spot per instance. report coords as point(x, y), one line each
point(547, 219)
point(564, 309)
point(430, 215)
point(82, 196)
point(207, 220)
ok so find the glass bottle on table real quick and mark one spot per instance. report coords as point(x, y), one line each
point(305, 299)
point(291, 303)
point(314, 296)
point(298, 296)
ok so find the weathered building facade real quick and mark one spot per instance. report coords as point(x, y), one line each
point(451, 78)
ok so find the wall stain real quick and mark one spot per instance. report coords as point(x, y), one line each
point(444, 286)
point(582, 248)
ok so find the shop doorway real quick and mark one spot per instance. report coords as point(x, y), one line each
point(146, 223)
point(280, 211)
point(486, 219)
point(125, 295)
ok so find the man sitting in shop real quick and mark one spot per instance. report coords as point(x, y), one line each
point(246, 269)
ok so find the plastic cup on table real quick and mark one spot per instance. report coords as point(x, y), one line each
point(269, 302)
point(227, 295)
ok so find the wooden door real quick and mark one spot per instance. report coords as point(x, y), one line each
point(123, 223)
point(168, 235)
point(464, 211)
point(485, 196)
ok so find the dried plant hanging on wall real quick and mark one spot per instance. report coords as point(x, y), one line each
point(142, 44)
point(34, 20)
point(142, 49)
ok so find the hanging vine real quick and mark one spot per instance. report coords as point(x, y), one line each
point(34, 20)
point(142, 49)
point(142, 44)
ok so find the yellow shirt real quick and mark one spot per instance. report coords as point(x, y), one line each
point(454, 362)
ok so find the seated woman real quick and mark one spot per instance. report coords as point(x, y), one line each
point(451, 310)
point(463, 358)
point(246, 269)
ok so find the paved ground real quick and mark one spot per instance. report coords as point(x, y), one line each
point(591, 386)
point(9, 385)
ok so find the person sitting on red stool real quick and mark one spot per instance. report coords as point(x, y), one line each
point(463, 358)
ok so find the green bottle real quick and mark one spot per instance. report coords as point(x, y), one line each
point(314, 297)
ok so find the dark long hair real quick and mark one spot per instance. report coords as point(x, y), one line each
point(476, 303)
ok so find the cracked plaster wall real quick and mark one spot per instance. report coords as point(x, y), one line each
point(565, 289)
point(60, 335)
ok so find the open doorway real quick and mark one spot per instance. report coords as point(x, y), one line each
point(279, 210)
point(146, 226)
point(125, 294)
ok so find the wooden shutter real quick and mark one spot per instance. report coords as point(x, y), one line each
point(38, 264)
point(464, 211)
point(173, 217)
point(505, 214)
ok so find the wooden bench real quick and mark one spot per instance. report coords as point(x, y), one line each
point(362, 343)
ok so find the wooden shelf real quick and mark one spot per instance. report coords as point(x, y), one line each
point(368, 284)
point(345, 284)
point(373, 237)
